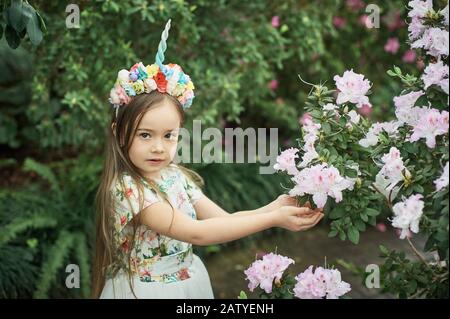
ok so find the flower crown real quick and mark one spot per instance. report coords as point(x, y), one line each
point(166, 78)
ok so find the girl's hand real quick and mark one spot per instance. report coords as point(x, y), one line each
point(286, 200)
point(283, 200)
point(296, 218)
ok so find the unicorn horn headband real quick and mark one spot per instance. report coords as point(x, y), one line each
point(165, 78)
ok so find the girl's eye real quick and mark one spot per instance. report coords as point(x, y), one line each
point(144, 135)
point(170, 135)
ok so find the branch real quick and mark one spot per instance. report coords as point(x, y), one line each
point(416, 252)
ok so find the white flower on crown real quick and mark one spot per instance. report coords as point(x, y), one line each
point(172, 82)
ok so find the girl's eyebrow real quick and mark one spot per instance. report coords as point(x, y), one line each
point(146, 129)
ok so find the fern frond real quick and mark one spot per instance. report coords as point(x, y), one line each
point(54, 261)
point(83, 257)
point(43, 171)
point(17, 272)
point(20, 224)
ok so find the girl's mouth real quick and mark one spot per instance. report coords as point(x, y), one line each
point(155, 161)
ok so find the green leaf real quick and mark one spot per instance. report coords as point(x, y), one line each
point(364, 217)
point(342, 235)
point(336, 213)
point(384, 250)
point(1, 31)
point(12, 37)
point(326, 128)
point(372, 212)
point(412, 286)
point(242, 295)
point(418, 188)
point(351, 173)
point(360, 225)
point(333, 233)
point(316, 114)
point(353, 235)
point(391, 73)
point(34, 31)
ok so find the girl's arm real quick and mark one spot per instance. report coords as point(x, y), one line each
point(206, 208)
point(172, 223)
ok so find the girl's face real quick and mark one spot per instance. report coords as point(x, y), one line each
point(155, 142)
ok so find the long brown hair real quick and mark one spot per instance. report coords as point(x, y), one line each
point(120, 135)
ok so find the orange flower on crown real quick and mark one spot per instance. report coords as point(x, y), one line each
point(161, 82)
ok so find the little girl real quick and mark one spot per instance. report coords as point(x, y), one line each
point(151, 211)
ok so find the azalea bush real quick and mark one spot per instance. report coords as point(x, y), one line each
point(274, 282)
point(360, 171)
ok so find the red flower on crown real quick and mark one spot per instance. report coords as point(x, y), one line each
point(161, 82)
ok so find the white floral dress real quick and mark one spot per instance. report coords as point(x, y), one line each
point(162, 266)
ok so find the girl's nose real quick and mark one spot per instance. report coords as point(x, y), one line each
point(157, 147)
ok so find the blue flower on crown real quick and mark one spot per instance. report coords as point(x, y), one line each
point(141, 73)
point(129, 90)
point(168, 72)
point(183, 79)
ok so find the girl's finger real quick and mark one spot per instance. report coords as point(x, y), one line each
point(309, 220)
point(306, 227)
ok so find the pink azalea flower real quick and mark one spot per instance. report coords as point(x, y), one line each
point(392, 45)
point(311, 130)
point(437, 74)
point(322, 283)
point(304, 118)
point(392, 172)
point(381, 227)
point(419, 8)
point(273, 84)
point(407, 214)
point(366, 21)
point(286, 161)
point(275, 21)
point(339, 22)
point(352, 88)
point(404, 107)
point(365, 110)
point(442, 181)
point(263, 272)
point(355, 5)
point(415, 28)
point(409, 56)
point(434, 41)
point(433, 123)
point(320, 181)
point(371, 138)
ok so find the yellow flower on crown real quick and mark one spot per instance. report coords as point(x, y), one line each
point(190, 86)
point(138, 86)
point(152, 70)
point(179, 89)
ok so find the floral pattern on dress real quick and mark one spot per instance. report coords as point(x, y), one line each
point(155, 257)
